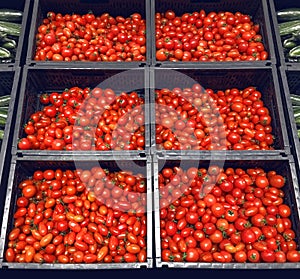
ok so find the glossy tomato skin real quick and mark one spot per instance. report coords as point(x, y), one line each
point(183, 126)
point(235, 226)
point(24, 144)
point(248, 236)
point(67, 121)
point(57, 222)
point(213, 36)
point(62, 38)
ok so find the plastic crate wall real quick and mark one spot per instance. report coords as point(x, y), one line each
point(9, 81)
point(290, 80)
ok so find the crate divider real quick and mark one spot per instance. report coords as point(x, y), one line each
point(290, 82)
point(9, 84)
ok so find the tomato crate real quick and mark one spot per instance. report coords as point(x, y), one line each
point(119, 122)
point(200, 91)
point(191, 15)
point(282, 53)
point(123, 216)
point(99, 45)
point(9, 81)
point(186, 182)
point(17, 51)
point(290, 77)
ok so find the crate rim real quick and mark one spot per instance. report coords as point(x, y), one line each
point(283, 70)
point(82, 266)
point(16, 70)
point(6, 141)
point(225, 64)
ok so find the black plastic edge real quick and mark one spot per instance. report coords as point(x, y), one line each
point(292, 129)
point(5, 155)
point(209, 65)
point(94, 65)
point(217, 155)
point(25, 31)
point(287, 145)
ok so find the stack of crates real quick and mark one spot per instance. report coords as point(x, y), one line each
point(29, 79)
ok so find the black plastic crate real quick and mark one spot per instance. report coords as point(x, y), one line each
point(274, 6)
point(258, 10)
point(39, 80)
point(22, 169)
point(282, 166)
point(114, 8)
point(9, 81)
point(264, 79)
point(25, 7)
point(290, 78)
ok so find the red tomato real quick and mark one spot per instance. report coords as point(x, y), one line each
point(293, 256)
point(192, 255)
point(261, 181)
point(24, 144)
point(162, 55)
point(248, 236)
point(268, 256)
point(277, 181)
point(284, 210)
point(29, 191)
point(199, 36)
point(49, 38)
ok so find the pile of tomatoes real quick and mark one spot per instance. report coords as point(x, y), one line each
point(79, 216)
point(213, 36)
point(204, 119)
point(86, 119)
point(90, 37)
point(225, 215)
